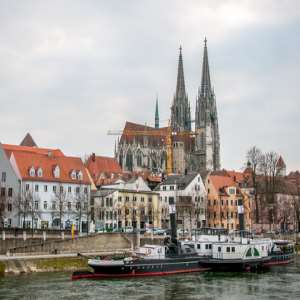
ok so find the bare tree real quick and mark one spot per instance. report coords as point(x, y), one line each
point(254, 156)
point(3, 205)
point(61, 207)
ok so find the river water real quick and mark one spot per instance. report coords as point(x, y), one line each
point(281, 282)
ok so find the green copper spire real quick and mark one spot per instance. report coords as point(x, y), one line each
point(156, 114)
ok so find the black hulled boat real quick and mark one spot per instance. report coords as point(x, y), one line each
point(150, 260)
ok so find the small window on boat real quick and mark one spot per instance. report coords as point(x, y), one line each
point(198, 246)
point(227, 249)
point(232, 249)
point(219, 249)
point(209, 246)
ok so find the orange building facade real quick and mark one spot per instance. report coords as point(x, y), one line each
point(224, 192)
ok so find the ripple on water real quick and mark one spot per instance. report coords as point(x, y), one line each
point(279, 283)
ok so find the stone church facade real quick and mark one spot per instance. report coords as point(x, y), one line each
point(197, 150)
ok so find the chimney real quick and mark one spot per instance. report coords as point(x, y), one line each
point(93, 157)
point(49, 153)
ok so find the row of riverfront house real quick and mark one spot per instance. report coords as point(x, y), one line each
point(42, 188)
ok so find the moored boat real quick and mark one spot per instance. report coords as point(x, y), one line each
point(150, 260)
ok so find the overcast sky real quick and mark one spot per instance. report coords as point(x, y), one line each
point(72, 70)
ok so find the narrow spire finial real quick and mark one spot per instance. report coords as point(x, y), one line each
point(205, 41)
point(156, 113)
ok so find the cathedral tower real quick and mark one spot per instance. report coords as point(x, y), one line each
point(207, 144)
point(180, 110)
point(156, 114)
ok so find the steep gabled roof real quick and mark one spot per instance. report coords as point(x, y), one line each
point(28, 141)
point(66, 164)
point(98, 165)
point(182, 181)
point(15, 148)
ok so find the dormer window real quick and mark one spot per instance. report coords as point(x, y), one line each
point(79, 175)
point(32, 172)
point(73, 174)
point(56, 172)
point(40, 172)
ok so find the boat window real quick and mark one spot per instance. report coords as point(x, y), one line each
point(232, 249)
point(198, 246)
point(219, 249)
point(209, 246)
point(227, 249)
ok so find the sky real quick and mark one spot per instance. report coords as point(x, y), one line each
point(72, 70)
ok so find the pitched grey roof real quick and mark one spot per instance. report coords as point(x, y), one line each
point(182, 181)
point(103, 193)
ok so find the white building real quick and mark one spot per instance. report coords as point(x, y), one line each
point(51, 190)
point(190, 197)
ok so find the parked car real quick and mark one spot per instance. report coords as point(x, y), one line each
point(127, 229)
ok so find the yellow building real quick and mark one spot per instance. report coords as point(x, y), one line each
point(224, 193)
point(122, 205)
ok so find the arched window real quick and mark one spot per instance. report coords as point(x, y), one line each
point(202, 112)
point(129, 160)
point(164, 161)
point(121, 158)
point(139, 158)
point(202, 140)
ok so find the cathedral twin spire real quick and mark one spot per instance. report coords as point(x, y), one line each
point(180, 110)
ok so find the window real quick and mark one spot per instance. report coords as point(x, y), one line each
point(54, 189)
point(171, 187)
point(126, 198)
point(53, 205)
point(164, 188)
point(36, 204)
point(77, 205)
point(27, 187)
point(10, 192)
point(85, 190)
point(77, 190)
point(134, 198)
point(69, 189)
point(56, 172)
point(231, 191)
point(110, 202)
point(149, 199)
point(206, 246)
point(79, 175)
point(69, 205)
point(208, 191)
point(219, 249)
point(36, 188)
point(3, 177)
point(45, 188)
point(32, 172)
point(39, 172)
point(120, 199)
point(9, 206)
point(210, 246)
point(232, 249)
point(198, 246)
point(61, 189)
point(227, 249)
point(222, 202)
point(45, 205)
point(2, 193)
point(73, 174)
point(142, 199)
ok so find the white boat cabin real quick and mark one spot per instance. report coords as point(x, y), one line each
point(240, 251)
point(152, 252)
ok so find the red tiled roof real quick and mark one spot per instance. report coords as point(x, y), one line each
point(280, 163)
point(236, 176)
point(221, 181)
point(26, 159)
point(98, 165)
point(159, 139)
point(13, 148)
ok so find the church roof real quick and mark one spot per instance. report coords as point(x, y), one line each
point(205, 81)
point(156, 136)
point(28, 141)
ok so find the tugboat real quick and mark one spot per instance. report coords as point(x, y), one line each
point(151, 260)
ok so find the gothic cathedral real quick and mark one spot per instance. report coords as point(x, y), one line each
point(197, 150)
